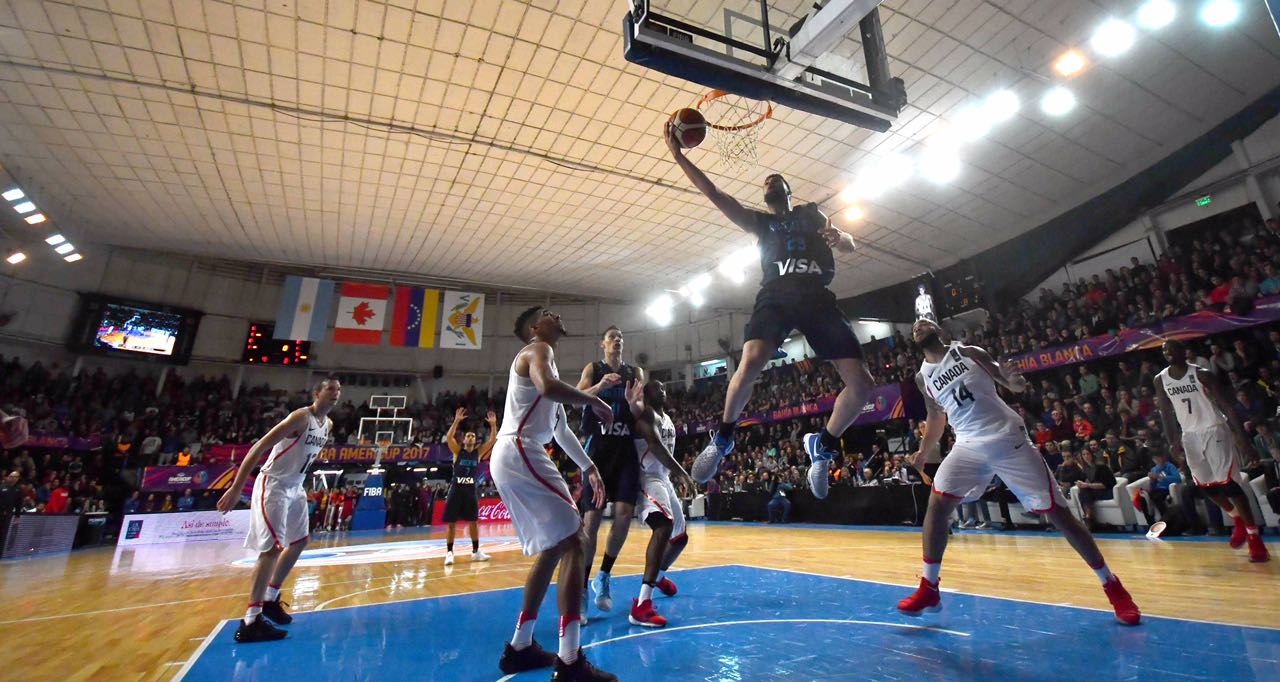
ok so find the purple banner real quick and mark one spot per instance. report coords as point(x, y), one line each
point(195, 477)
point(1192, 326)
point(61, 441)
point(362, 454)
point(884, 403)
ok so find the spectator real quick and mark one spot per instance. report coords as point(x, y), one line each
point(1265, 442)
point(1098, 484)
point(168, 504)
point(134, 504)
point(187, 502)
point(1249, 409)
point(1163, 474)
point(1081, 427)
point(1088, 383)
point(779, 507)
point(59, 500)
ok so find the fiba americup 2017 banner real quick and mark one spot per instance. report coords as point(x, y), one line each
point(463, 320)
point(884, 403)
point(1193, 326)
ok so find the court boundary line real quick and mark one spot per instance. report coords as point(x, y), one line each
point(195, 656)
point(1015, 599)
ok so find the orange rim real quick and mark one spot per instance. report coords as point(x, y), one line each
point(717, 94)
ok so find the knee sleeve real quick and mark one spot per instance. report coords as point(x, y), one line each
point(656, 520)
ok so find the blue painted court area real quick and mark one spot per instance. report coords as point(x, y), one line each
point(745, 623)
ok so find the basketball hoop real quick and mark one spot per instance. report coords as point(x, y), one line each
point(734, 121)
point(381, 445)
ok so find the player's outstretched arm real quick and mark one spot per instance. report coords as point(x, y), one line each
point(451, 437)
point(292, 425)
point(742, 217)
point(935, 422)
point(1172, 429)
point(569, 443)
point(835, 237)
point(1004, 374)
point(1218, 395)
point(487, 448)
point(539, 357)
point(646, 426)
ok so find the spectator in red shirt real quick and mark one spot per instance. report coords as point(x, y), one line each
point(1083, 429)
point(1043, 435)
point(58, 500)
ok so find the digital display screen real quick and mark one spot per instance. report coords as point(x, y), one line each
point(138, 330)
point(261, 349)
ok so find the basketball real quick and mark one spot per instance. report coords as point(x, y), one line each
point(689, 127)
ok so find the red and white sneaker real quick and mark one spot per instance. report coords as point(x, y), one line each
point(1258, 549)
point(1238, 535)
point(667, 587)
point(926, 598)
point(1126, 611)
point(642, 614)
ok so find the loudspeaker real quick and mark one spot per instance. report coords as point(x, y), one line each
point(437, 371)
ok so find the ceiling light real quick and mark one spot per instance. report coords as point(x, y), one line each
point(696, 299)
point(971, 124)
point(1001, 106)
point(660, 310)
point(65, 247)
point(55, 240)
point(13, 194)
point(1113, 38)
point(1154, 15)
point(16, 257)
point(700, 282)
point(1057, 102)
point(850, 194)
point(940, 166)
point(1218, 13)
point(24, 207)
point(734, 266)
point(854, 213)
point(35, 219)
point(1070, 63)
point(73, 258)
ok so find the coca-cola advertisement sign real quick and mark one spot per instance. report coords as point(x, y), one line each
point(491, 510)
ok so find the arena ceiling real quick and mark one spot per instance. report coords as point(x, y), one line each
point(509, 143)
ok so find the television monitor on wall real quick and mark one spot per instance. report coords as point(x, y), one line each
point(106, 325)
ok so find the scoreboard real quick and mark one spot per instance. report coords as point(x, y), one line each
point(261, 349)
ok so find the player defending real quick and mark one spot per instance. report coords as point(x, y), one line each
point(959, 385)
point(278, 527)
point(613, 451)
point(462, 502)
point(538, 497)
point(797, 265)
point(1204, 429)
point(658, 502)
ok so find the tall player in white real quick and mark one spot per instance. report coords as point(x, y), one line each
point(959, 385)
point(538, 498)
point(279, 527)
point(1204, 429)
point(658, 504)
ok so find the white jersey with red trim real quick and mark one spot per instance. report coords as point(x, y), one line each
point(1191, 404)
point(967, 393)
point(291, 457)
point(528, 415)
point(649, 464)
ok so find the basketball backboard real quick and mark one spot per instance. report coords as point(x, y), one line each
point(827, 60)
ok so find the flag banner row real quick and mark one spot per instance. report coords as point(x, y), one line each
point(363, 310)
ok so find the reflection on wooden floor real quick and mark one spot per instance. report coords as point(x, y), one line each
point(141, 613)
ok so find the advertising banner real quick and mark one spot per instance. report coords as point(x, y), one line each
point(884, 403)
point(201, 526)
point(172, 479)
point(491, 510)
point(344, 454)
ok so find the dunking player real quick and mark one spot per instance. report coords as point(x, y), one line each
point(1203, 428)
point(797, 265)
point(611, 448)
point(658, 502)
point(538, 497)
point(959, 385)
point(278, 527)
point(462, 502)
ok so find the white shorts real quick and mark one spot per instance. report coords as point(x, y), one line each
point(657, 494)
point(535, 493)
point(967, 471)
point(1211, 455)
point(279, 514)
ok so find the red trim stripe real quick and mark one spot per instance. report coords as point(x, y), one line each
point(657, 504)
point(262, 507)
point(947, 494)
point(301, 539)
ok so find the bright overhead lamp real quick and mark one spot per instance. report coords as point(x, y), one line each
point(35, 219)
point(940, 166)
point(1001, 106)
point(65, 247)
point(1219, 13)
point(850, 193)
point(660, 310)
point(1154, 15)
point(1057, 101)
point(1113, 38)
point(13, 194)
point(734, 266)
point(16, 257)
point(24, 207)
point(971, 124)
point(73, 258)
point(1070, 63)
point(55, 240)
point(855, 213)
point(696, 299)
point(896, 169)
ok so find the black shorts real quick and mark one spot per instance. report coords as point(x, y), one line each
point(811, 309)
point(619, 469)
point(461, 505)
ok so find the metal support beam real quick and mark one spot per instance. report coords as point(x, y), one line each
point(821, 32)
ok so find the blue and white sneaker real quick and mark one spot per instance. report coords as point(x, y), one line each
point(821, 461)
point(600, 585)
point(708, 461)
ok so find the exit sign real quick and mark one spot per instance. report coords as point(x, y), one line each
point(1204, 200)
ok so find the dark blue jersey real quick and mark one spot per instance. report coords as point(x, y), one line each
point(616, 397)
point(465, 469)
point(791, 249)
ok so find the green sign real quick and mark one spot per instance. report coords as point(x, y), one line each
point(1204, 200)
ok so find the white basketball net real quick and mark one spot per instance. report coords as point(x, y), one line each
point(734, 123)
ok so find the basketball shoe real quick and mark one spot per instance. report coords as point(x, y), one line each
point(642, 614)
point(531, 657)
point(259, 631)
point(448, 559)
point(708, 461)
point(1238, 535)
point(820, 459)
point(604, 597)
point(1126, 611)
point(667, 587)
point(580, 671)
point(274, 611)
point(479, 555)
point(926, 598)
point(1258, 549)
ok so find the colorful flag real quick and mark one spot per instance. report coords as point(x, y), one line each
point(463, 320)
point(304, 308)
point(413, 321)
point(362, 313)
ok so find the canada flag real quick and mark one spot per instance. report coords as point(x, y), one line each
point(362, 313)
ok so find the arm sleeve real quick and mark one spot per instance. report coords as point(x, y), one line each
point(569, 442)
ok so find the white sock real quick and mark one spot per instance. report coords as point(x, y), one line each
point(646, 592)
point(524, 631)
point(273, 593)
point(931, 571)
point(1251, 530)
point(1104, 574)
point(569, 630)
point(254, 610)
